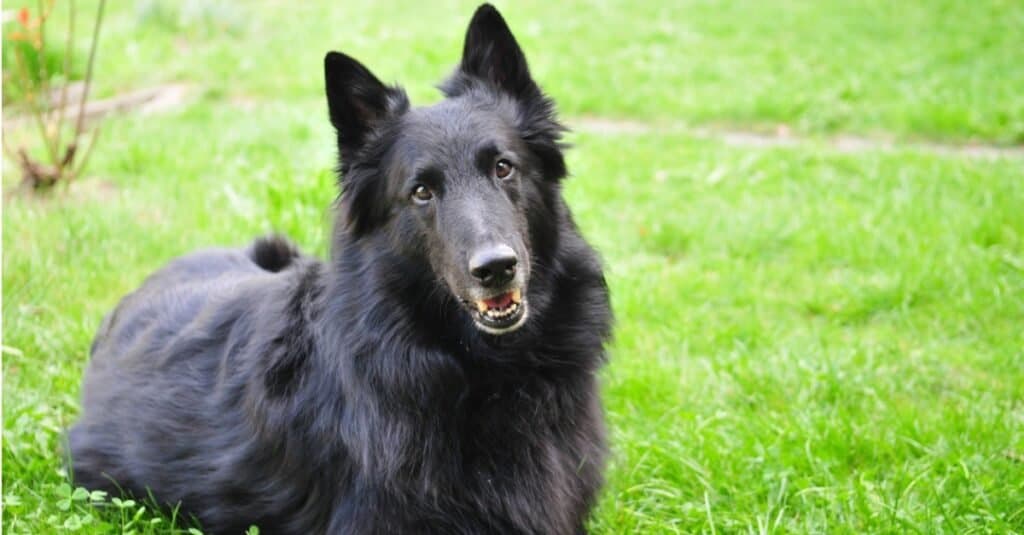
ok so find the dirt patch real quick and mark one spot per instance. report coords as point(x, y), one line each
point(79, 191)
point(143, 101)
point(607, 126)
point(783, 137)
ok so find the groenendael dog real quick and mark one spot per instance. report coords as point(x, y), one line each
point(436, 375)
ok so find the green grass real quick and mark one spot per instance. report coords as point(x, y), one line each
point(806, 342)
point(947, 69)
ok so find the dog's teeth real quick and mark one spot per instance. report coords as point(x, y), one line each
point(510, 309)
point(500, 313)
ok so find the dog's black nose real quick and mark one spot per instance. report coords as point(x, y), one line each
point(493, 265)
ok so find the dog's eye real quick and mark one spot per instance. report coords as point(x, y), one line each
point(421, 194)
point(503, 169)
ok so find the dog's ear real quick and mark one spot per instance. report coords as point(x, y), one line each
point(492, 54)
point(357, 101)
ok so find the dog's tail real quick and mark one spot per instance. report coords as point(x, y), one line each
point(273, 253)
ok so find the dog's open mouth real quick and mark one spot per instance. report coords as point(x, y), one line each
point(501, 313)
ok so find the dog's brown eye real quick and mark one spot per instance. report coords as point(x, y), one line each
point(421, 194)
point(503, 169)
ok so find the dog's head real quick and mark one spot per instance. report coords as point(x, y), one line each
point(457, 183)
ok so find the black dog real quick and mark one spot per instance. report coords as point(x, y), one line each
point(437, 375)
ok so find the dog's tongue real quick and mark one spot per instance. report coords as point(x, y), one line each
point(500, 301)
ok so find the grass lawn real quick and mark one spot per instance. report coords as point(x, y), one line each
point(807, 341)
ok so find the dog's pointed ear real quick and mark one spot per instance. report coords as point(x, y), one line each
point(492, 54)
point(357, 101)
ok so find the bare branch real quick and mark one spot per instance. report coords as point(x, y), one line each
point(44, 80)
point(88, 152)
point(35, 108)
point(68, 53)
point(88, 72)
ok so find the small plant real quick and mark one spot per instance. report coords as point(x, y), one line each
point(31, 68)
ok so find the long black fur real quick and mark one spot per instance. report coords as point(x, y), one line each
point(273, 253)
point(261, 386)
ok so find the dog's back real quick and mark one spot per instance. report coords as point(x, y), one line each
point(162, 364)
point(173, 296)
